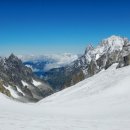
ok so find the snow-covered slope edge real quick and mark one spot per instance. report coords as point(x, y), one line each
point(101, 102)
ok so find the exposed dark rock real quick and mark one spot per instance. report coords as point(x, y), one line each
point(124, 58)
point(13, 73)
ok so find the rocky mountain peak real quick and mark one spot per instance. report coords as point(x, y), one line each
point(12, 57)
point(114, 43)
point(20, 81)
point(114, 39)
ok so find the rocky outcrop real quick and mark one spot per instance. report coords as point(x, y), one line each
point(4, 90)
point(124, 58)
point(18, 81)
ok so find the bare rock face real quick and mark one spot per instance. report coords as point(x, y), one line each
point(19, 82)
point(4, 90)
point(124, 58)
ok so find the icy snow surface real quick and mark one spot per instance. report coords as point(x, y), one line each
point(101, 102)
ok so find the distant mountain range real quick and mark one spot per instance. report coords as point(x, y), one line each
point(43, 63)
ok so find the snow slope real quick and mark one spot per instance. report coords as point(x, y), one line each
point(101, 102)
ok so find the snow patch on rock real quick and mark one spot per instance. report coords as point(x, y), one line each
point(36, 83)
point(24, 83)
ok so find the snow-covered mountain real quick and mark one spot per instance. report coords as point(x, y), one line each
point(101, 102)
point(108, 45)
point(109, 51)
point(71, 68)
point(108, 48)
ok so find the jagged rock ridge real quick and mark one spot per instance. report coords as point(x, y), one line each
point(19, 82)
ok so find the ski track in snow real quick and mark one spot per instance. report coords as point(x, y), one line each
point(101, 102)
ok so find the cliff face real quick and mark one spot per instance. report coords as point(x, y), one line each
point(19, 82)
point(124, 58)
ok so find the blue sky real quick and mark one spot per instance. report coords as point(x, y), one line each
point(58, 26)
